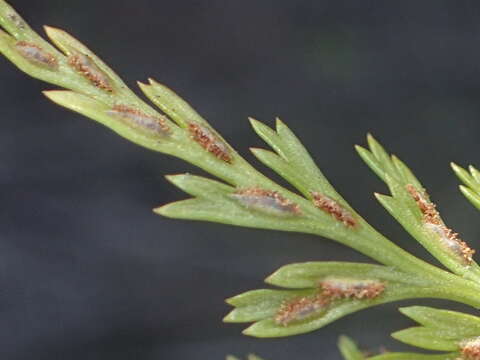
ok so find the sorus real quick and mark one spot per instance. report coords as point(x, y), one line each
point(139, 120)
point(346, 288)
point(35, 54)
point(87, 67)
point(427, 208)
point(300, 309)
point(470, 349)
point(266, 201)
point(451, 241)
point(433, 222)
point(333, 208)
point(210, 142)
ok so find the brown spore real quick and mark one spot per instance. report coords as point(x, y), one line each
point(333, 208)
point(470, 349)
point(36, 55)
point(267, 201)
point(85, 65)
point(300, 308)
point(345, 288)
point(139, 120)
point(209, 141)
point(433, 222)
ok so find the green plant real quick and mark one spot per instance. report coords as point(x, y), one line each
point(310, 295)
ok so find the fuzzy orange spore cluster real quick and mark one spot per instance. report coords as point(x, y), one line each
point(138, 119)
point(86, 66)
point(427, 208)
point(330, 290)
point(333, 208)
point(210, 142)
point(470, 349)
point(433, 221)
point(342, 288)
point(267, 200)
point(300, 308)
point(36, 54)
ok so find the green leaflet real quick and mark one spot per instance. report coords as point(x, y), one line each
point(71, 46)
point(442, 330)
point(9, 50)
point(291, 160)
point(431, 339)
point(99, 111)
point(471, 196)
point(350, 351)
point(464, 325)
point(219, 203)
point(403, 207)
point(267, 326)
point(471, 179)
point(263, 306)
point(215, 201)
point(309, 274)
point(170, 103)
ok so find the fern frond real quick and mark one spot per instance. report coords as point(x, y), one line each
point(312, 294)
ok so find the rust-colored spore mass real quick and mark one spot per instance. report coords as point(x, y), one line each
point(470, 349)
point(434, 223)
point(267, 201)
point(139, 120)
point(344, 288)
point(330, 289)
point(86, 66)
point(333, 208)
point(451, 240)
point(427, 208)
point(210, 142)
point(36, 55)
point(300, 309)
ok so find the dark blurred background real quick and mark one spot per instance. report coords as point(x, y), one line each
point(88, 272)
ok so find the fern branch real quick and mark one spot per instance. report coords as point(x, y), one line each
point(95, 91)
point(312, 294)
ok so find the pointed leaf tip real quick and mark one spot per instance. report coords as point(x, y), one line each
point(252, 120)
point(349, 349)
point(279, 123)
point(50, 29)
point(173, 178)
point(158, 210)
